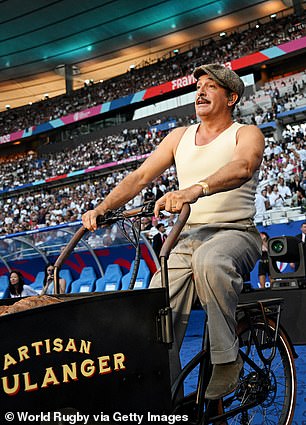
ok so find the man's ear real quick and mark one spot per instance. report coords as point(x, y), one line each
point(232, 99)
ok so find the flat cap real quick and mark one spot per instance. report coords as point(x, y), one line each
point(223, 76)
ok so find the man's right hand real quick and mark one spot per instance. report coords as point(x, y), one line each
point(173, 201)
point(89, 220)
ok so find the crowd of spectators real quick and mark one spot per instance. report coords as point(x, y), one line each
point(20, 169)
point(282, 177)
point(282, 174)
point(284, 159)
point(275, 97)
point(43, 209)
point(227, 48)
point(24, 168)
point(282, 181)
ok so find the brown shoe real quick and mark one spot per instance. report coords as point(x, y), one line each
point(224, 379)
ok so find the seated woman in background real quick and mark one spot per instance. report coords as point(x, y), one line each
point(17, 288)
point(48, 287)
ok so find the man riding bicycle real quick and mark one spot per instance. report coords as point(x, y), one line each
point(217, 163)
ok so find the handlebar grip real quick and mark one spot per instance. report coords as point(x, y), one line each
point(175, 231)
point(146, 210)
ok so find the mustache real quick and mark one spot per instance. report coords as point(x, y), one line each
point(202, 98)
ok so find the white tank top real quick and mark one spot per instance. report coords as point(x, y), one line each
point(194, 163)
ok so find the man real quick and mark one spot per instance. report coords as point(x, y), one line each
point(261, 202)
point(283, 189)
point(275, 198)
point(302, 235)
point(217, 163)
point(159, 238)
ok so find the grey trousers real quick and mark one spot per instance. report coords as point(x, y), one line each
point(209, 262)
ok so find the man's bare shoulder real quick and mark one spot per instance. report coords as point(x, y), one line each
point(250, 129)
point(178, 132)
point(173, 138)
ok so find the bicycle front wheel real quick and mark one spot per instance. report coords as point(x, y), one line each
point(266, 394)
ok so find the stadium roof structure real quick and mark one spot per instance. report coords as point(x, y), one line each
point(102, 39)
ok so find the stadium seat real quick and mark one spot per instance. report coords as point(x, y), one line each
point(143, 276)
point(38, 283)
point(4, 282)
point(111, 281)
point(86, 281)
point(66, 274)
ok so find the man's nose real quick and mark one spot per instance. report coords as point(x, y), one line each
point(202, 90)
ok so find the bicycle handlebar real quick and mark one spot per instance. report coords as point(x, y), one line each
point(111, 217)
point(108, 218)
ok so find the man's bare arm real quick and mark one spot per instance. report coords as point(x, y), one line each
point(161, 159)
point(246, 160)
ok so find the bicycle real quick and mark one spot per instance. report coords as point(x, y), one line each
point(266, 392)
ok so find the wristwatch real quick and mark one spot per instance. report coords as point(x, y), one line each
point(205, 187)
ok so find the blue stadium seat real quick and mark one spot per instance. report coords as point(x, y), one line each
point(111, 281)
point(4, 282)
point(38, 283)
point(143, 276)
point(86, 281)
point(66, 274)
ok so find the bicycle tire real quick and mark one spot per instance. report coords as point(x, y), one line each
point(276, 393)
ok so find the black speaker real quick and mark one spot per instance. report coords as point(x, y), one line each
point(288, 249)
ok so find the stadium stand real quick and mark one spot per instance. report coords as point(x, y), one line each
point(30, 199)
point(36, 190)
point(221, 50)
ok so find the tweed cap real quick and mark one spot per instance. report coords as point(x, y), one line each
point(223, 76)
